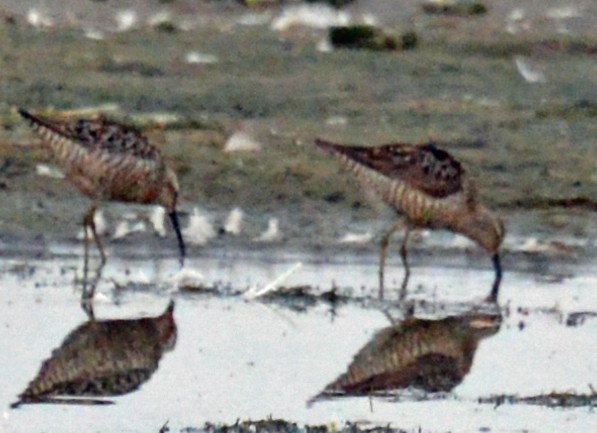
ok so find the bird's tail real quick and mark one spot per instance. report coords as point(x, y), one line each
point(39, 125)
point(328, 146)
point(33, 120)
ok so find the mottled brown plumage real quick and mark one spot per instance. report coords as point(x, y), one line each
point(431, 355)
point(427, 186)
point(109, 161)
point(103, 358)
point(426, 168)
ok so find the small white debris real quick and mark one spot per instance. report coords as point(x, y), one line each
point(101, 226)
point(254, 19)
point(461, 242)
point(369, 19)
point(125, 228)
point(101, 298)
point(336, 121)
point(159, 18)
point(199, 231)
point(156, 218)
point(234, 221)
point(516, 21)
point(356, 238)
point(553, 248)
point(271, 234)
point(94, 34)
point(37, 18)
point(130, 215)
point(138, 277)
point(419, 236)
point(530, 71)
point(255, 292)
point(138, 226)
point(188, 279)
point(92, 110)
point(161, 118)
point(197, 58)
point(324, 46)
point(242, 142)
point(125, 20)
point(314, 15)
point(46, 170)
point(560, 14)
point(516, 14)
point(533, 246)
point(563, 12)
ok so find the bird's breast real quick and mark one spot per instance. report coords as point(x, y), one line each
point(111, 177)
point(419, 208)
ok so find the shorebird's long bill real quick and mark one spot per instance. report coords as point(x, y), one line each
point(498, 277)
point(176, 225)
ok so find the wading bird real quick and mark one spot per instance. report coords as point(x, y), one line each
point(109, 161)
point(430, 189)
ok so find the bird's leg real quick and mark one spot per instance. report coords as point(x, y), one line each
point(88, 221)
point(85, 254)
point(498, 278)
point(87, 307)
point(96, 238)
point(385, 240)
point(181, 246)
point(404, 256)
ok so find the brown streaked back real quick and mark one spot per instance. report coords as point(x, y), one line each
point(98, 134)
point(424, 167)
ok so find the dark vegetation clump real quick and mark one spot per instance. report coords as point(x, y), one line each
point(361, 37)
point(553, 399)
point(335, 3)
point(458, 8)
point(368, 37)
point(283, 426)
point(301, 298)
point(166, 27)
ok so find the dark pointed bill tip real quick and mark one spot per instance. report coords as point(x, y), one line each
point(498, 278)
point(181, 246)
point(170, 307)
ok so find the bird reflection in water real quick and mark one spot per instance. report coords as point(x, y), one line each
point(101, 359)
point(428, 355)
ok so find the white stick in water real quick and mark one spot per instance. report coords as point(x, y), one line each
point(254, 292)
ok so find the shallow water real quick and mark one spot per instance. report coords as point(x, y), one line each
point(236, 358)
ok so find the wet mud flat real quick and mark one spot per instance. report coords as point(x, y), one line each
point(530, 145)
point(510, 93)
